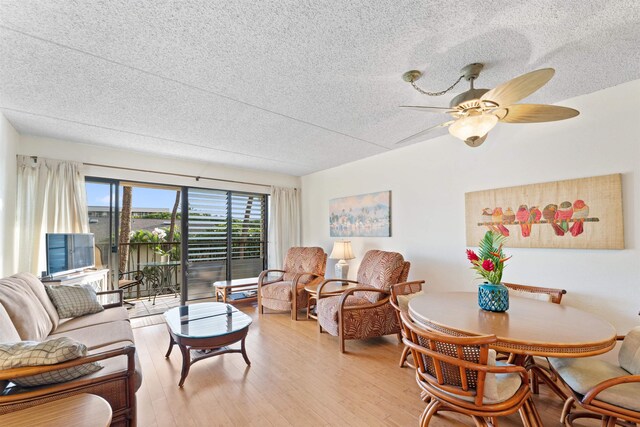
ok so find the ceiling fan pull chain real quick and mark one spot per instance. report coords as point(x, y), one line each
point(424, 92)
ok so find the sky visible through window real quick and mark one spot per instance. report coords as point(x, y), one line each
point(98, 195)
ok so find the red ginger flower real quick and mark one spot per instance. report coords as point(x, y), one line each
point(488, 265)
point(471, 256)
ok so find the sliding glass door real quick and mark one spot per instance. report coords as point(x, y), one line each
point(103, 207)
point(225, 238)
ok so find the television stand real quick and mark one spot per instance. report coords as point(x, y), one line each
point(97, 278)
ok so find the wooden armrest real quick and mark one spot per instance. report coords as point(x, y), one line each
point(324, 282)
point(265, 273)
point(8, 374)
point(597, 389)
point(346, 294)
point(118, 303)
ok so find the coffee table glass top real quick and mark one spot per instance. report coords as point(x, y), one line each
point(204, 320)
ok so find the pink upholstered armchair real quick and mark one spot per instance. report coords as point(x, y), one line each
point(365, 311)
point(302, 267)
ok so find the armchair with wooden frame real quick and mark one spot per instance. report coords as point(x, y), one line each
point(400, 296)
point(364, 311)
point(607, 390)
point(459, 374)
point(303, 266)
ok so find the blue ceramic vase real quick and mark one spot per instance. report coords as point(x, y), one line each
point(493, 297)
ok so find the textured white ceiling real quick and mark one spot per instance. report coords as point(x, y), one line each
point(290, 86)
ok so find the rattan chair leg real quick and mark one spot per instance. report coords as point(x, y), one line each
point(405, 354)
point(429, 412)
point(541, 374)
point(533, 411)
point(479, 421)
point(566, 409)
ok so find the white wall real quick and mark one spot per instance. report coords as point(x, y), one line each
point(428, 182)
point(8, 143)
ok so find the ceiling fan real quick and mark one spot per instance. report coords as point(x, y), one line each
point(475, 112)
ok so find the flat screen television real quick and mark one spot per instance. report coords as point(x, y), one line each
point(68, 252)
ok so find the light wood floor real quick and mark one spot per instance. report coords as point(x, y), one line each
point(297, 377)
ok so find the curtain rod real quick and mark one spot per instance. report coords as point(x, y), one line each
point(196, 177)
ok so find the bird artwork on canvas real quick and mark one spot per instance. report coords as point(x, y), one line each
point(564, 218)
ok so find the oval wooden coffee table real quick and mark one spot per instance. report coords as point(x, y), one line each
point(209, 328)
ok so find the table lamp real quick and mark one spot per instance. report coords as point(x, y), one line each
point(342, 251)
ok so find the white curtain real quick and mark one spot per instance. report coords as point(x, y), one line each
point(284, 223)
point(51, 199)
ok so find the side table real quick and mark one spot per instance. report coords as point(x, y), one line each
point(329, 289)
point(80, 410)
point(236, 290)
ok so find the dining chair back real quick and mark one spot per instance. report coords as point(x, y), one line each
point(538, 367)
point(553, 295)
point(401, 294)
point(459, 373)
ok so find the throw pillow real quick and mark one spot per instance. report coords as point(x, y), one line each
point(51, 352)
point(73, 300)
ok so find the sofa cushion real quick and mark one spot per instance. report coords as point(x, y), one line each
point(109, 315)
point(8, 332)
point(23, 306)
point(96, 336)
point(74, 300)
point(39, 290)
point(45, 353)
point(118, 363)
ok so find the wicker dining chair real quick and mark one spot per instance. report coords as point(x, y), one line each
point(459, 374)
point(536, 292)
point(607, 391)
point(302, 266)
point(538, 367)
point(401, 294)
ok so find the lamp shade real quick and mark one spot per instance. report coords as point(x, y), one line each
point(473, 127)
point(342, 250)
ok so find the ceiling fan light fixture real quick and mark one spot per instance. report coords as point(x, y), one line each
point(472, 128)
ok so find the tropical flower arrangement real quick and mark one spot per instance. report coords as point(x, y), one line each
point(489, 262)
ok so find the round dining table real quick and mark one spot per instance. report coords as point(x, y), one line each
point(529, 327)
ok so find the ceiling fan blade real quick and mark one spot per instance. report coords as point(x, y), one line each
point(534, 113)
point(429, 109)
point(424, 132)
point(516, 89)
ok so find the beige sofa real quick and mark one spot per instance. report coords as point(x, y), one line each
point(27, 313)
